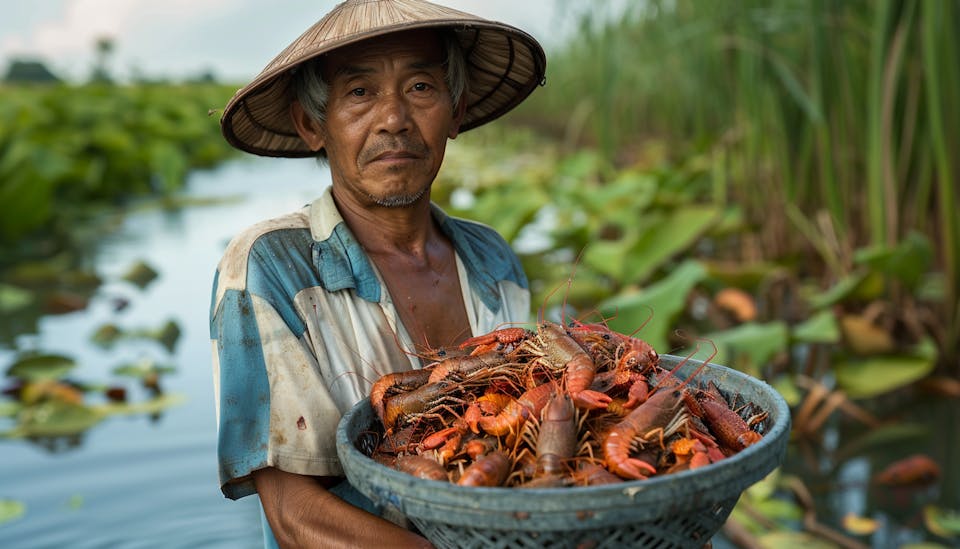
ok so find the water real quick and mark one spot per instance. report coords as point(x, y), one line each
point(132, 481)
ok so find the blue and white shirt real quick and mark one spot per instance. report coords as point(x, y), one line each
point(302, 324)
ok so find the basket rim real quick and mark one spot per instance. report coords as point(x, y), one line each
point(708, 485)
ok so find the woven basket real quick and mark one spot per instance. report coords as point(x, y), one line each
point(683, 509)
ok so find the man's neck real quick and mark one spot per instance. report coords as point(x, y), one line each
point(406, 230)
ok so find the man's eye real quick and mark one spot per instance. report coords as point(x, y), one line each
point(358, 92)
point(421, 86)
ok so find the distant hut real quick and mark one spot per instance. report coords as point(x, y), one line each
point(25, 71)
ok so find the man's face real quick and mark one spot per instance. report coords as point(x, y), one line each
point(389, 115)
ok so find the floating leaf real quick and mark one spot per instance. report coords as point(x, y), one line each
point(55, 418)
point(11, 509)
point(783, 539)
point(168, 335)
point(62, 302)
point(107, 334)
point(152, 406)
point(9, 408)
point(942, 522)
point(860, 526)
point(75, 502)
point(873, 376)
point(50, 389)
point(141, 274)
point(13, 298)
point(41, 367)
point(142, 369)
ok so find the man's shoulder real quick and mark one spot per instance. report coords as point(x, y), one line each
point(270, 240)
point(265, 231)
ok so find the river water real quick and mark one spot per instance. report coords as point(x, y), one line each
point(133, 481)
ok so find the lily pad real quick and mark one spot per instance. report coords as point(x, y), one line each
point(41, 367)
point(54, 418)
point(153, 406)
point(140, 274)
point(11, 509)
point(13, 298)
point(107, 334)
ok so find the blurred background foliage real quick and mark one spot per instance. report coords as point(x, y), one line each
point(771, 185)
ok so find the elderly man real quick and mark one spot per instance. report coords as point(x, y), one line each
point(310, 308)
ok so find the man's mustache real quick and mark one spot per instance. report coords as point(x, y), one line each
point(405, 145)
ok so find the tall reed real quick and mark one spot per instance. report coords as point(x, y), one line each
point(836, 120)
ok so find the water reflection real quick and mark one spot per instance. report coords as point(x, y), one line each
point(144, 473)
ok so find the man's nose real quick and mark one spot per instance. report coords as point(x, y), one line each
point(394, 113)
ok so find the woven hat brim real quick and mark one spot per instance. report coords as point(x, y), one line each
point(504, 65)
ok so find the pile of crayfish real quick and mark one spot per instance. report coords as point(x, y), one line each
point(557, 406)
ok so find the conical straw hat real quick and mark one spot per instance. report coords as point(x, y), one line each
point(504, 65)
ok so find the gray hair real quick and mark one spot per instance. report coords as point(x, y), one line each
point(312, 92)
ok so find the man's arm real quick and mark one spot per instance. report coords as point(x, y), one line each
point(302, 513)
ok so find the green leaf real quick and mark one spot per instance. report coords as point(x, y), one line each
point(41, 367)
point(152, 406)
point(784, 539)
point(11, 509)
point(872, 376)
point(53, 418)
point(9, 408)
point(822, 327)
point(749, 346)
point(840, 291)
point(140, 274)
point(608, 257)
point(942, 522)
point(13, 298)
point(665, 239)
point(657, 305)
point(908, 261)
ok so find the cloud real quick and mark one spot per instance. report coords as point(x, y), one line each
point(68, 39)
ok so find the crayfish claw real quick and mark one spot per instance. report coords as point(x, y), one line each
point(591, 400)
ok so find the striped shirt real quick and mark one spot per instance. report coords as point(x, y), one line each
point(302, 324)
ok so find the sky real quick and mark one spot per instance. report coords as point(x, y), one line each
point(232, 39)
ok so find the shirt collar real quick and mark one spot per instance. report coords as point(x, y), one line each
point(342, 264)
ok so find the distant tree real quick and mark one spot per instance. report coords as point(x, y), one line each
point(29, 71)
point(104, 46)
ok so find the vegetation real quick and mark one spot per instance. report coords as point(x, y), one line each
point(66, 148)
point(832, 128)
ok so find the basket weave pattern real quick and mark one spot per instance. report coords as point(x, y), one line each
point(682, 509)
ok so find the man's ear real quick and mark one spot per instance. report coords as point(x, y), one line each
point(458, 113)
point(310, 130)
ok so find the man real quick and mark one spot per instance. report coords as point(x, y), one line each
point(311, 308)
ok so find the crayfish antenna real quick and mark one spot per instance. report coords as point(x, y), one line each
point(700, 368)
point(644, 323)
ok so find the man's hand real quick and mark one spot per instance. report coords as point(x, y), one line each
point(302, 513)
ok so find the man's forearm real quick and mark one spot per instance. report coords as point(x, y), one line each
point(302, 513)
